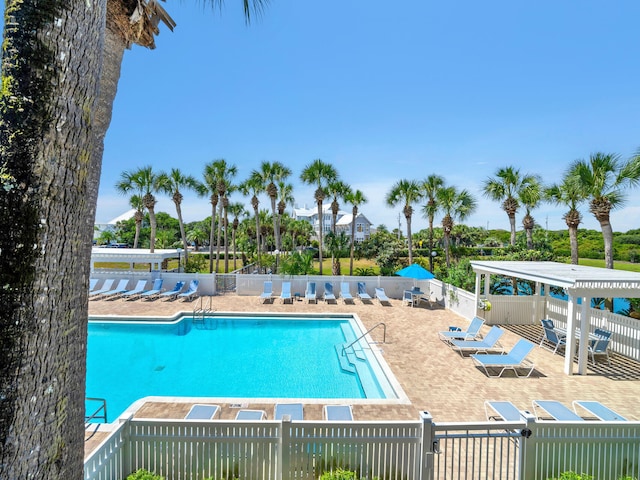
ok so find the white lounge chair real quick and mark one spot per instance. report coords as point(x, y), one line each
point(598, 410)
point(381, 295)
point(502, 410)
point(116, 292)
point(338, 412)
point(345, 294)
point(310, 292)
point(294, 410)
point(137, 290)
point(515, 359)
point(191, 292)
point(489, 343)
point(202, 412)
point(286, 292)
point(106, 287)
point(251, 415)
point(472, 331)
point(328, 292)
point(362, 292)
point(155, 290)
point(556, 411)
point(267, 291)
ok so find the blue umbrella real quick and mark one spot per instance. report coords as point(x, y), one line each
point(416, 271)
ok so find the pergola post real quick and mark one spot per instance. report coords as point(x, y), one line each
point(583, 354)
point(478, 283)
point(570, 347)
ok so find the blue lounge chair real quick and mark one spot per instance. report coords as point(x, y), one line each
point(556, 411)
point(294, 410)
point(502, 410)
point(106, 287)
point(286, 292)
point(156, 289)
point(489, 343)
point(170, 294)
point(345, 294)
point(328, 292)
point(598, 410)
point(515, 359)
point(251, 415)
point(191, 292)
point(600, 346)
point(473, 330)
point(202, 412)
point(93, 283)
point(137, 290)
point(310, 292)
point(116, 292)
point(381, 295)
point(338, 412)
point(267, 291)
point(362, 292)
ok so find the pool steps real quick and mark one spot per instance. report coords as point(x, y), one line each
point(354, 360)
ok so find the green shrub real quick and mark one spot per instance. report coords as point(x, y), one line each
point(143, 474)
point(573, 476)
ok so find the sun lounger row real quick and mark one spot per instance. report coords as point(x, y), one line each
point(107, 291)
point(294, 411)
point(310, 294)
point(470, 341)
point(552, 410)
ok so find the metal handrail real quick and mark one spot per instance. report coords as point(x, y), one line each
point(94, 415)
point(384, 336)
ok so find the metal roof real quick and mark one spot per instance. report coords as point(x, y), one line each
point(580, 280)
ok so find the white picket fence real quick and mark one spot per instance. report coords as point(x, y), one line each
point(407, 450)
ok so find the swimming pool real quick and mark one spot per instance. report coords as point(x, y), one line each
point(233, 356)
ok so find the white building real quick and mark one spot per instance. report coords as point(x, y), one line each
point(111, 224)
point(343, 221)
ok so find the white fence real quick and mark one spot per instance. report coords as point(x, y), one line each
point(420, 450)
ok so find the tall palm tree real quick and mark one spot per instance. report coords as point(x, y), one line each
point(603, 179)
point(505, 188)
point(355, 198)
point(431, 186)
point(128, 183)
point(272, 173)
point(210, 188)
point(285, 197)
point(224, 174)
point(236, 210)
point(136, 202)
point(407, 192)
point(171, 183)
point(253, 186)
point(456, 205)
point(568, 194)
point(337, 190)
point(319, 174)
point(145, 182)
point(530, 195)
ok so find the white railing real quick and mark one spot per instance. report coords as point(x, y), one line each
point(408, 450)
point(515, 310)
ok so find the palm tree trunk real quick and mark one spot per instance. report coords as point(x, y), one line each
point(257, 215)
point(219, 237)
point(43, 306)
point(182, 232)
point(430, 243)
point(235, 256)
point(226, 242)
point(512, 223)
point(276, 226)
point(573, 241)
point(447, 241)
point(212, 236)
point(353, 236)
point(607, 236)
point(320, 231)
point(154, 226)
point(529, 234)
point(409, 242)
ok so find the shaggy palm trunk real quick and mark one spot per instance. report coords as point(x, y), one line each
point(408, 211)
point(226, 237)
point(276, 227)
point(512, 224)
point(573, 242)
point(353, 238)
point(430, 243)
point(255, 204)
point(607, 236)
point(177, 199)
point(46, 115)
point(214, 204)
point(154, 226)
point(138, 217)
point(320, 240)
point(219, 239)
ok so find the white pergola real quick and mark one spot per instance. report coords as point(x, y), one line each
point(133, 255)
point(577, 281)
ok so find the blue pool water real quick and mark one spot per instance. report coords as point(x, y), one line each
point(226, 357)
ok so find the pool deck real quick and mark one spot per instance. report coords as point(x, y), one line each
point(434, 377)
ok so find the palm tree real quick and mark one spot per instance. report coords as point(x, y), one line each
point(431, 186)
point(210, 187)
point(530, 195)
point(146, 183)
point(336, 190)
point(126, 184)
point(407, 192)
point(198, 235)
point(505, 187)
point(337, 244)
point(272, 173)
point(224, 174)
point(602, 179)
point(319, 174)
point(236, 210)
point(171, 184)
point(285, 197)
point(456, 205)
point(136, 202)
point(355, 198)
point(568, 194)
point(253, 186)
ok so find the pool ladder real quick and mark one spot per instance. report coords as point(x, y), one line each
point(100, 413)
point(384, 336)
point(200, 313)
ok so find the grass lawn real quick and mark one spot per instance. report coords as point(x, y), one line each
point(631, 267)
point(344, 266)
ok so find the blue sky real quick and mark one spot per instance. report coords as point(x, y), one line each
point(382, 91)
